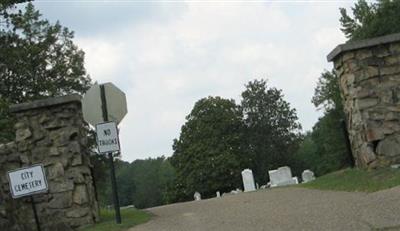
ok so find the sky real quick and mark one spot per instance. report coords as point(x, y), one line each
point(166, 55)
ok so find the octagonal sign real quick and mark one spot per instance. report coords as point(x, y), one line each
point(92, 105)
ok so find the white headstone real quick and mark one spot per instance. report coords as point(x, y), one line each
point(248, 180)
point(218, 194)
point(281, 177)
point(197, 196)
point(395, 166)
point(307, 176)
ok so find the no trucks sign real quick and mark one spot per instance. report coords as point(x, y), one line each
point(107, 137)
point(27, 181)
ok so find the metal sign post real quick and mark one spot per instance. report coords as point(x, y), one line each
point(35, 214)
point(111, 160)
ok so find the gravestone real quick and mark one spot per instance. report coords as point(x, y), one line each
point(237, 191)
point(307, 176)
point(218, 194)
point(248, 180)
point(197, 196)
point(281, 177)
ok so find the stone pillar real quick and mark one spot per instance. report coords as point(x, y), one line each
point(369, 73)
point(50, 132)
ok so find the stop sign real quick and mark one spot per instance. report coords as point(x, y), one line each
point(92, 105)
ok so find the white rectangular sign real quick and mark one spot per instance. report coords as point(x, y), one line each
point(27, 181)
point(107, 137)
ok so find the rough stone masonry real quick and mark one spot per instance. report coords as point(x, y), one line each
point(369, 73)
point(49, 132)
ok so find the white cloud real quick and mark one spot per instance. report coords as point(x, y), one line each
point(328, 37)
point(102, 58)
point(210, 49)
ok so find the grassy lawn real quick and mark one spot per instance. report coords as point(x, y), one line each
point(357, 180)
point(130, 217)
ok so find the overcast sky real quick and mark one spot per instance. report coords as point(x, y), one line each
point(166, 55)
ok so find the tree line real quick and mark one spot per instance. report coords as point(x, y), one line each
point(220, 137)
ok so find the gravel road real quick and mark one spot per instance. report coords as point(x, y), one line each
point(289, 208)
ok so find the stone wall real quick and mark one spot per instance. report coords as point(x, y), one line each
point(369, 73)
point(50, 132)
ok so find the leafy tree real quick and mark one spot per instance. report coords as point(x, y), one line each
point(37, 60)
point(306, 156)
point(371, 19)
point(8, 3)
point(151, 177)
point(5, 6)
point(330, 144)
point(6, 122)
point(271, 128)
point(142, 183)
point(125, 183)
point(327, 93)
point(101, 177)
point(207, 156)
point(40, 60)
point(329, 151)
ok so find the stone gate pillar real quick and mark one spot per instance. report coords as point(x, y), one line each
point(49, 132)
point(369, 73)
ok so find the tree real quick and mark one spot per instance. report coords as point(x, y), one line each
point(207, 156)
point(37, 60)
point(142, 183)
point(151, 177)
point(271, 128)
point(327, 93)
point(306, 156)
point(329, 151)
point(5, 6)
point(125, 182)
point(330, 144)
point(8, 3)
point(101, 178)
point(6, 122)
point(371, 19)
point(40, 60)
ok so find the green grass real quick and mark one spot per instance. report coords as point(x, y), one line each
point(130, 217)
point(357, 180)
